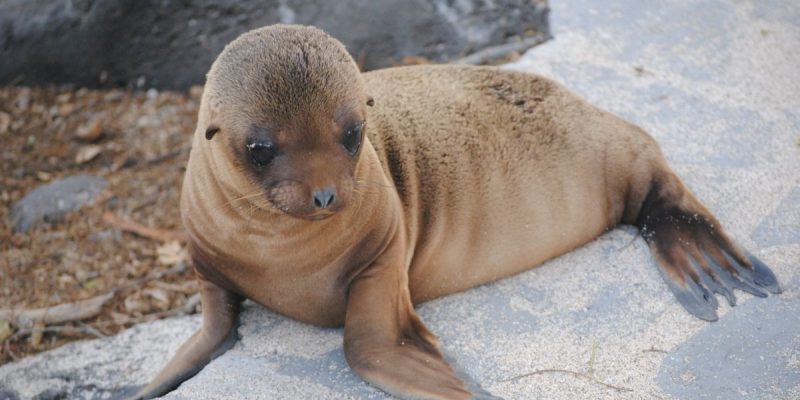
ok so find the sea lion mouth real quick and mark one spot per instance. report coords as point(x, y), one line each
point(283, 200)
point(319, 216)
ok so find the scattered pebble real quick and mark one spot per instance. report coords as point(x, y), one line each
point(50, 202)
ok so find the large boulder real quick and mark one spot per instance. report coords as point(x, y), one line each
point(171, 43)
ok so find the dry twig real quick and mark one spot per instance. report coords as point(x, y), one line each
point(654, 350)
point(61, 313)
point(573, 373)
point(161, 235)
point(188, 308)
point(62, 330)
point(497, 52)
point(177, 269)
point(7, 348)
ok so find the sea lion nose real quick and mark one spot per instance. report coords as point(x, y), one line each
point(325, 197)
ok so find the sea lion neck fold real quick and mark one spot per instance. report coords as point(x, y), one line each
point(224, 212)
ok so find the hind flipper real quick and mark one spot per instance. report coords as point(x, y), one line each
point(695, 256)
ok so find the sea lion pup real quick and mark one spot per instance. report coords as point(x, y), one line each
point(335, 197)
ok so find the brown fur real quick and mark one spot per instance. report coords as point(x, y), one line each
point(466, 175)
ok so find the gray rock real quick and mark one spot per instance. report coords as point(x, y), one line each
point(7, 395)
point(50, 202)
point(778, 228)
point(171, 43)
point(78, 371)
point(754, 353)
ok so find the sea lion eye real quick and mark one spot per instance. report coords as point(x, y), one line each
point(351, 140)
point(261, 153)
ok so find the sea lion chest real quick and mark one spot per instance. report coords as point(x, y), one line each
point(300, 271)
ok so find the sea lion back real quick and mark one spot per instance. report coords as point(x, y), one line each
point(477, 155)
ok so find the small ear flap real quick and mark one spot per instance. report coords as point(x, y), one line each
point(370, 101)
point(211, 131)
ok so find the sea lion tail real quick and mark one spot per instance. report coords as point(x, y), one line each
point(695, 255)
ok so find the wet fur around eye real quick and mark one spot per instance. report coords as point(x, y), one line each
point(261, 153)
point(352, 138)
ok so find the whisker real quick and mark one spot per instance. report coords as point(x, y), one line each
point(233, 202)
point(244, 197)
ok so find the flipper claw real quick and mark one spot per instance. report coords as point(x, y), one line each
point(763, 276)
point(695, 299)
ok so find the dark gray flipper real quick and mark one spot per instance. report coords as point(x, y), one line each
point(763, 276)
point(711, 282)
point(693, 297)
point(694, 254)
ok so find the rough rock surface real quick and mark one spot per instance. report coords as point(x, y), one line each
point(171, 44)
point(50, 202)
point(716, 84)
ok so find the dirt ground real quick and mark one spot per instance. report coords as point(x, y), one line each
point(139, 142)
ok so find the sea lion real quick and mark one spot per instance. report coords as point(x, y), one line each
point(335, 197)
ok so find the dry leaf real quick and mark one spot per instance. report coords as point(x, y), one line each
point(120, 318)
point(90, 132)
point(65, 280)
point(133, 303)
point(414, 60)
point(5, 122)
point(121, 161)
point(196, 91)
point(18, 240)
point(43, 176)
point(171, 253)
point(5, 330)
point(87, 153)
point(66, 109)
point(91, 284)
point(64, 97)
point(159, 295)
point(186, 287)
point(36, 335)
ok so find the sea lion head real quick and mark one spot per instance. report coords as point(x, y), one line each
point(286, 108)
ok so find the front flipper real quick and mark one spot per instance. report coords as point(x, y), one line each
point(696, 257)
point(218, 334)
point(386, 343)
